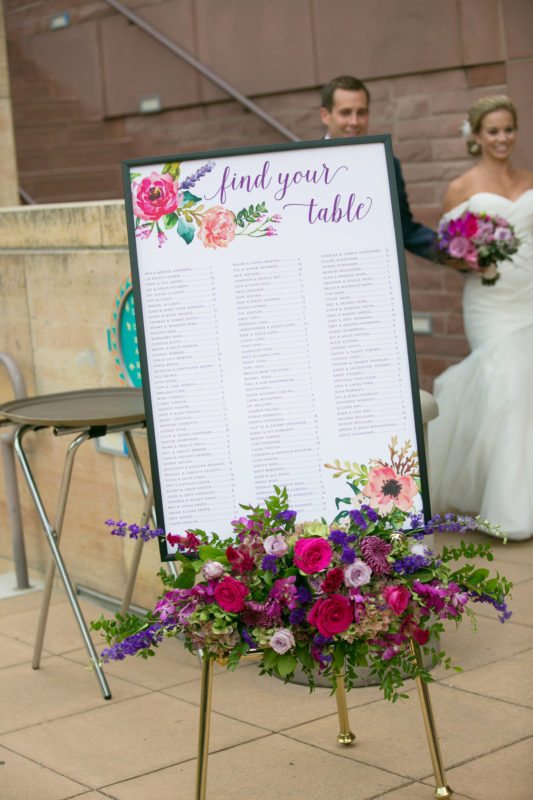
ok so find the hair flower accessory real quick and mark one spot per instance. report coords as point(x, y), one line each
point(466, 129)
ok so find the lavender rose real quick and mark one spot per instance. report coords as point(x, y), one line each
point(357, 574)
point(275, 545)
point(212, 570)
point(282, 641)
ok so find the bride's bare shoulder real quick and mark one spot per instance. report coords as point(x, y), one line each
point(528, 179)
point(459, 190)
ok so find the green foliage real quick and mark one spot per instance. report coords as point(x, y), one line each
point(250, 215)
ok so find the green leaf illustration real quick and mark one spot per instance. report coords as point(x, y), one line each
point(188, 197)
point(172, 168)
point(170, 220)
point(185, 230)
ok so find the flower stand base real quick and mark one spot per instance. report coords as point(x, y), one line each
point(345, 736)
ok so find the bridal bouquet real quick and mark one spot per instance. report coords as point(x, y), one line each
point(480, 240)
point(321, 598)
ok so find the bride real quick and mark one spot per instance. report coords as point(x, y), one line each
point(481, 445)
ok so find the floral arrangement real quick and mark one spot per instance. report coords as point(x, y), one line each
point(162, 203)
point(479, 240)
point(316, 597)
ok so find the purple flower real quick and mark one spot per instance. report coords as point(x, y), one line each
point(189, 182)
point(499, 605)
point(297, 616)
point(358, 519)
point(338, 537)
point(132, 644)
point(245, 636)
point(410, 564)
point(286, 516)
point(375, 552)
point(303, 595)
point(269, 563)
point(371, 514)
point(348, 555)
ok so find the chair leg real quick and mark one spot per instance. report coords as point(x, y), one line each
point(442, 790)
point(345, 736)
point(204, 725)
point(53, 540)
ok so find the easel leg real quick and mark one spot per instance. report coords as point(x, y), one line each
point(204, 724)
point(345, 736)
point(442, 790)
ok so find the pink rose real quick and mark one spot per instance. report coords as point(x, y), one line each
point(230, 594)
point(459, 247)
point(155, 196)
point(218, 227)
point(312, 555)
point(397, 598)
point(331, 615)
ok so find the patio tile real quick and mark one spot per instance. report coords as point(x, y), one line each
point(418, 791)
point(118, 741)
point(468, 725)
point(62, 631)
point(263, 700)
point(510, 679)
point(13, 652)
point(270, 769)
point(26, 602)
point(59, 688)
point(173, 665)
point(23, 779)
point(492, 641)
point(506, 774)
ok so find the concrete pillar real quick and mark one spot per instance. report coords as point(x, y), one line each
point(9, 195)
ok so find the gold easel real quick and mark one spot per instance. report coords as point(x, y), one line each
point(345, 736)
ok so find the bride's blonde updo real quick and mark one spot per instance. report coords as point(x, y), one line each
point(480, 109)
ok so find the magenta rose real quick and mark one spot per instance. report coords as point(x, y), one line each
point(218, 227)
point(397, 598)
point(331, 615)
point(155, 196)
point(312, 555)
point(230, 594)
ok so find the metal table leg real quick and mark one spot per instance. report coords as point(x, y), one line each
point(53, 536)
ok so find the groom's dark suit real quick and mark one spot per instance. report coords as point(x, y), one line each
point(417, 238)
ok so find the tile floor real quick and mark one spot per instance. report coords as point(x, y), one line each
point(59, 739)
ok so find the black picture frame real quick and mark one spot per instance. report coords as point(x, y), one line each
point(132, 164)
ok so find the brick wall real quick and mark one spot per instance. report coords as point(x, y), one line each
point(75, 93)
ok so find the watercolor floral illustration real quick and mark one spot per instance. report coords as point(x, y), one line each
point(163, 203)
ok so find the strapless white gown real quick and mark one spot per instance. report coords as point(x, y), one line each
point(481, 444)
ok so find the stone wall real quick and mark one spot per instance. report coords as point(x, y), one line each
point(60, 268)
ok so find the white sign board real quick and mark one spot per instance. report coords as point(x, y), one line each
point(274, 322)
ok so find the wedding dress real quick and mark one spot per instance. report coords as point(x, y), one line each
point(481, 444)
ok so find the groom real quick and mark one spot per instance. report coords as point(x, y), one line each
point(345, 112)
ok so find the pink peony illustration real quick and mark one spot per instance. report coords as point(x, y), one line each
point(386, 489)
point(218, 227)
point(155, 196)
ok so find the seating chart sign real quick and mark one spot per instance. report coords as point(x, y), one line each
point(274, 324)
